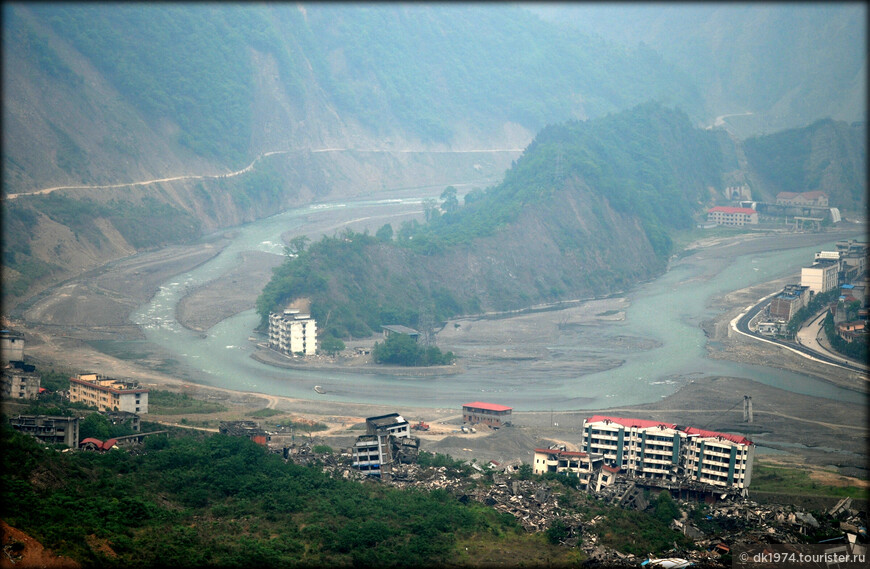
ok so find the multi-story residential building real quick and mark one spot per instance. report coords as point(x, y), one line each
point(718, 459)
point(734, 216)
point(647, 449)
point(822, 276)
point(291, 332)
point(815, 198)
point(51, 430)
point(853, 255)
point(792, 298)
point(107, 394)
point(664, 451)
point(15, 383)
point(490, 414)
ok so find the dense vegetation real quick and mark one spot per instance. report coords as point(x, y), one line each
point(222, 501)
point(640, 174)
point(647, 162)
point(195, 500)
point(856, 349)
point(389, 73)
point(826, 156)
point(188, 48)
point(401, 349)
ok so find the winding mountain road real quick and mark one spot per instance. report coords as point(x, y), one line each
point(807, 344)
point(249, 168)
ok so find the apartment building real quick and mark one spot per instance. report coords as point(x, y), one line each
point(822, 276)
point(292, 332)
point(664, 451)
point(718, 459)
point(786, 304)
point(733, 216)
point(107, 394)
point(16, 383)
point(48, 429)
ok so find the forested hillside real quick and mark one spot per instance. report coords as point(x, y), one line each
point(198, 77)
point(828, 155)
point(308, 102)
point(787, 64)
point(586, 211)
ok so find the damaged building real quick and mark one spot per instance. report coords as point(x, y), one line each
point(666, 452)
point(248, 429)
point(589, 469)
point(387, 441)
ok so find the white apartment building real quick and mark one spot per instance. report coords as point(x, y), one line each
point(291, 332)
point(107, 394)
point(664, 451)
point(718, 459)
point(822, 276)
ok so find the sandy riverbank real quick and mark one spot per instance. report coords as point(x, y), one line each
point(818, 431)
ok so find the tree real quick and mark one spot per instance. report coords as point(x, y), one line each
point(450, 203)
point(474, 195)
point(430, 209)
point(95, 426)
point(297, 245)
point(385, 233)
point(331, 345)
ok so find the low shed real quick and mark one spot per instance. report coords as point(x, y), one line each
point(490, 414)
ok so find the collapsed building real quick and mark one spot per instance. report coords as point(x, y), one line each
point(387, 441)
point(247, 429)
point(589, 469)
point(665, 452)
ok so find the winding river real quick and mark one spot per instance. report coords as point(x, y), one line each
point(665, 313)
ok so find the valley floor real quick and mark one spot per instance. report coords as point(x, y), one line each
point(828, 435)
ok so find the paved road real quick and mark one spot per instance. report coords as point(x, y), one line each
point(807, 344)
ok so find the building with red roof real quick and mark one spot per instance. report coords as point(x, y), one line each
point(658, 450)
point(733, 216)
point(491, 414)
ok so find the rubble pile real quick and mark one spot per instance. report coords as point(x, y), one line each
point(714, 528)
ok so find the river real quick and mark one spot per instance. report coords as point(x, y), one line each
point(665, 313)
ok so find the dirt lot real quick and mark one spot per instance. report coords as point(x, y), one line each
point(821, 433)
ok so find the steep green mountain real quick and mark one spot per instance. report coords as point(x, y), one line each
point(97, 96)
point(827, 155)
point(586, 211)
point(789, 64)
point(210, 81)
